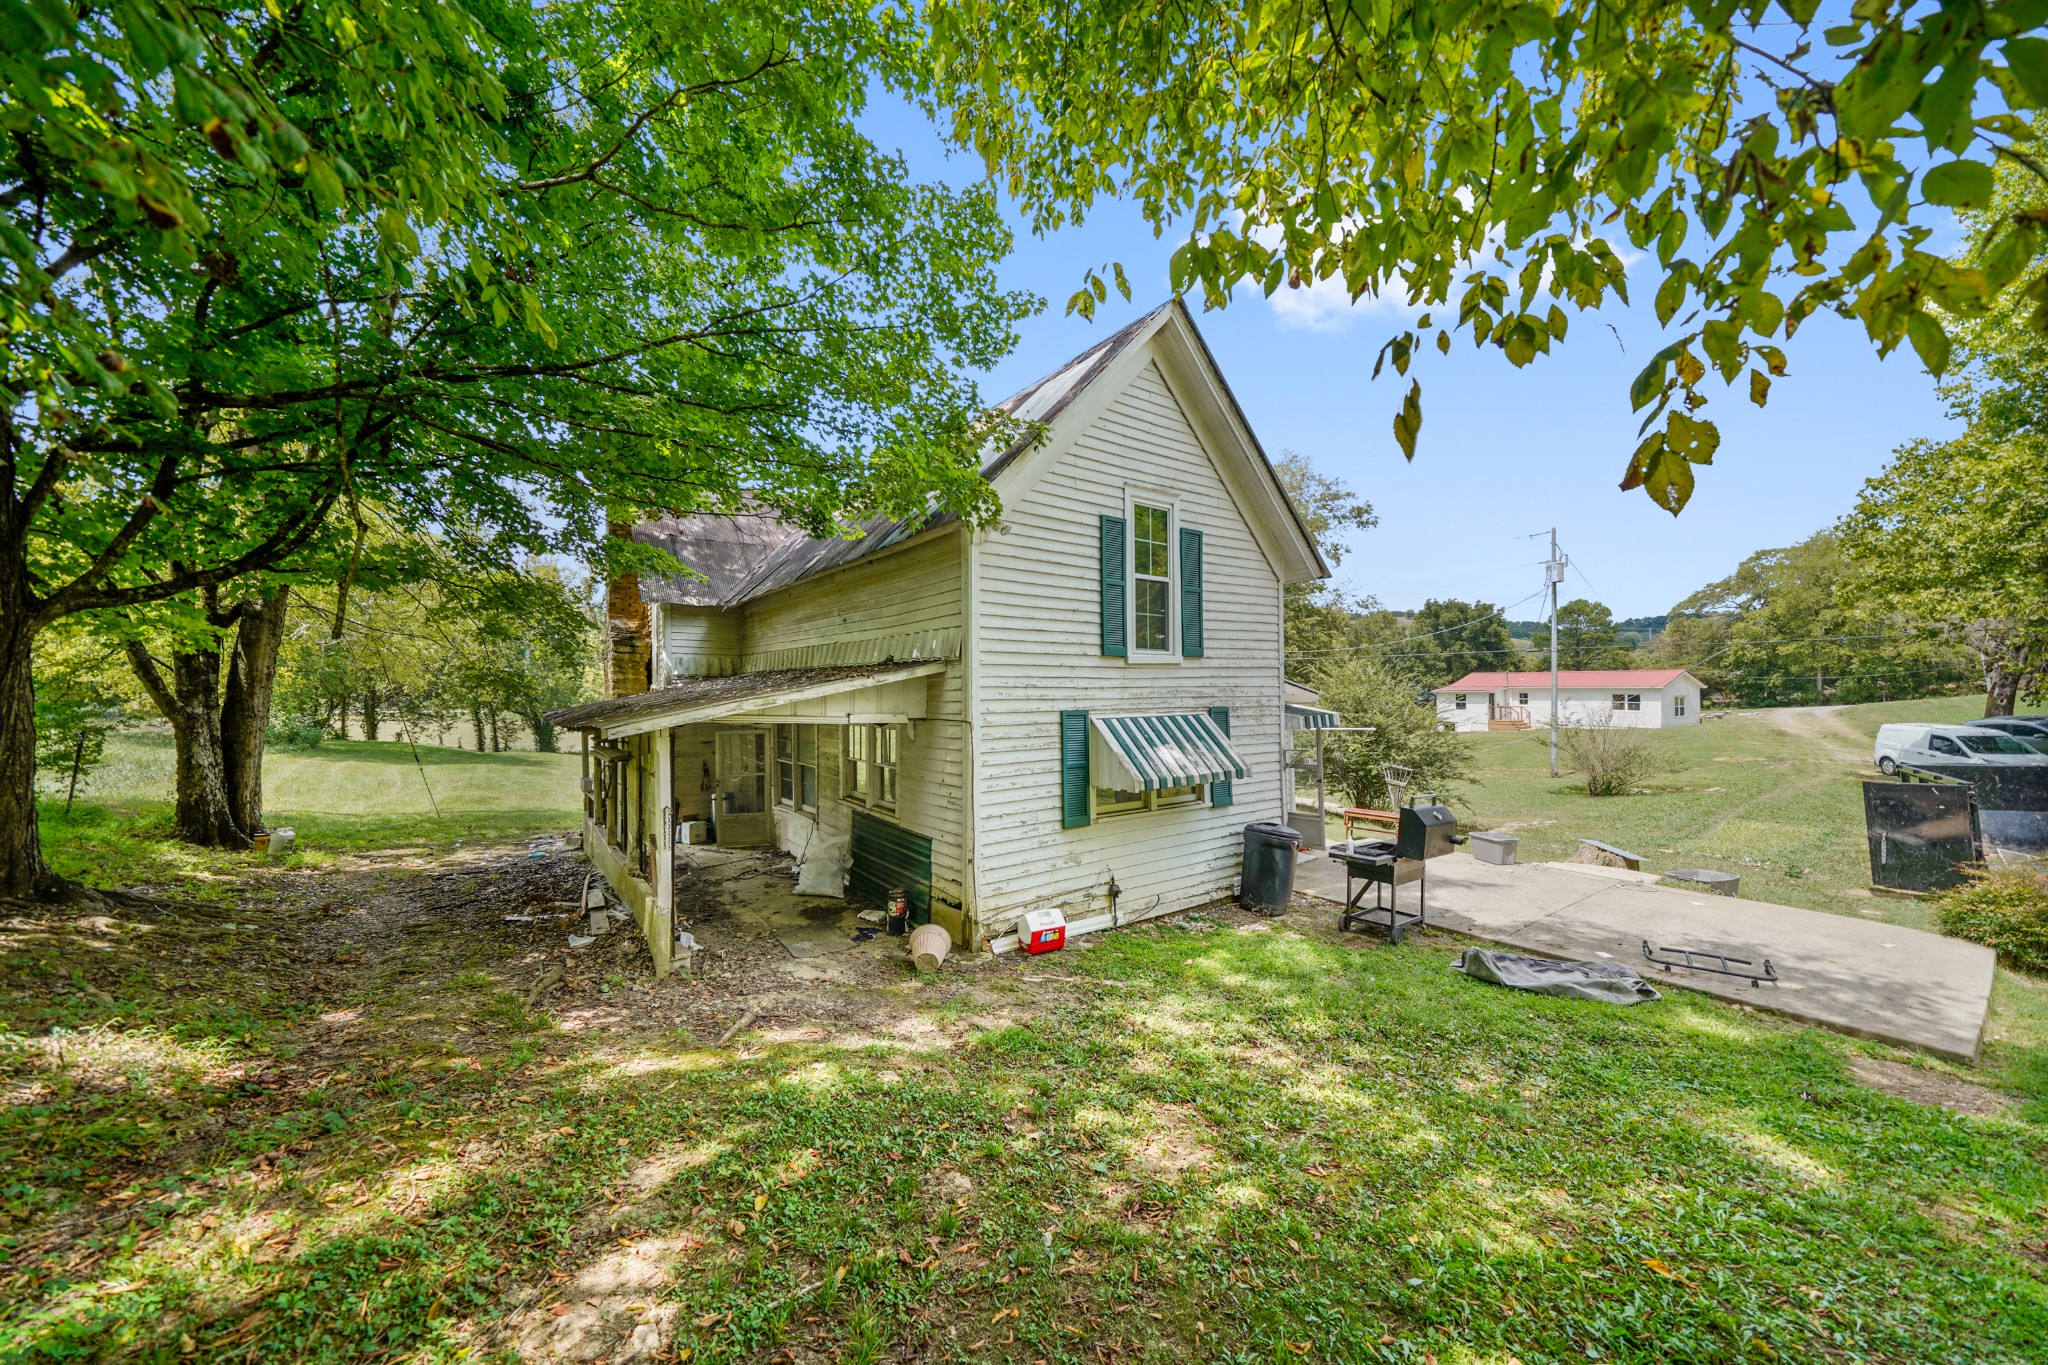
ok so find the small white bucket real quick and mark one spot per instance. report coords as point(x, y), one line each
point(929, 944)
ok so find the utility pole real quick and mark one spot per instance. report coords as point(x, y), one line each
point(1553, 574)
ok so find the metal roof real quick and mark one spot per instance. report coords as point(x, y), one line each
point(743, 557)
point(1571, 677)
point(709, 698)
point(726, 550)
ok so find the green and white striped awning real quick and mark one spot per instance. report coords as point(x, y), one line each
point(1312, 717)
point(1152, 753)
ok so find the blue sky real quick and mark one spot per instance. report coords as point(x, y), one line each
point(1504, 452)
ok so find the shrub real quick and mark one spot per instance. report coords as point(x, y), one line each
point(295, 732)
point(1611, 758)
point(2004, 911)
point(1406, 731)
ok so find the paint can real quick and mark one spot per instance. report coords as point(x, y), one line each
point(899, 912)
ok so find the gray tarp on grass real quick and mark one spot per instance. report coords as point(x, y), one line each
point(1608, 981)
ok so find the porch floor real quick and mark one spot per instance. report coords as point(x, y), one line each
point(756, 886)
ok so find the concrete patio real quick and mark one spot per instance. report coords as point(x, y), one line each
point(1859, 976)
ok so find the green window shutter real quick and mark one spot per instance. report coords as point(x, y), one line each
point(1113, 556)
point(1191, 595)
point(1220, 793)
point(1074, 812)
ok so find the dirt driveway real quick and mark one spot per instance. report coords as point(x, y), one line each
point(214, 1079)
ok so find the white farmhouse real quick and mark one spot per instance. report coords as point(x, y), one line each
point(1087, 694)
point(1641, 698)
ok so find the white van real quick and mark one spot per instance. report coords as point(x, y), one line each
point(1911, 745)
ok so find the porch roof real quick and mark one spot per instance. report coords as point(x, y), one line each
point(702, 699)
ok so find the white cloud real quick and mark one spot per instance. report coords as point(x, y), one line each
point(1326, 306)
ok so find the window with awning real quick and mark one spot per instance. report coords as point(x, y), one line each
point(1160, 752)
point(1312, 717)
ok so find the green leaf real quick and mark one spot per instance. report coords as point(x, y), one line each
point(2028, 58)
point(1649, 383)
point(1759, 387)
point(1408, 421)
point(1930, 341)
point(326, 184)
point(1694, 439)
point(1958, 184)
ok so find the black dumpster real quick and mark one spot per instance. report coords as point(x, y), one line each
point(1267, 881)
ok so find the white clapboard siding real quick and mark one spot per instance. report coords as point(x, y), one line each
point(1038, 652)
point(902, 604)
point(700, 641)
point(1578, 706)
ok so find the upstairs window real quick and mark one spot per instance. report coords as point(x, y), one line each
point(1152, 569)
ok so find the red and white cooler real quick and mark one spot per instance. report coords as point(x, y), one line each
point(1043, 931)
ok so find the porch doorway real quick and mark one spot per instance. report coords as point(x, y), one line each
point(740, 805)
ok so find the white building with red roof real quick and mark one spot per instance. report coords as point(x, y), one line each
point(1640, 698)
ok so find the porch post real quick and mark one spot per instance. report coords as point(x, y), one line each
point(661, 932)
point(1322, 820)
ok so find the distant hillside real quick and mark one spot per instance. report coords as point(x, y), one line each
point(1641, 627)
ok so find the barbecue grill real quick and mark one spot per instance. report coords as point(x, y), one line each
point(1427, 830)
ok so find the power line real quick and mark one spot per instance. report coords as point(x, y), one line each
point(1426, 635)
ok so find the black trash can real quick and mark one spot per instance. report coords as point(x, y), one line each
point(1266, 883)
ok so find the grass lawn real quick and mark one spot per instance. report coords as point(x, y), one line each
point(1773, 796)
point(345, 796)
point(1206, 1140)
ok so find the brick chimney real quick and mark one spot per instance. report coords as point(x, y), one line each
point(629, 632)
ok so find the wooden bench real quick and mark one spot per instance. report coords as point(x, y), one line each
point(1363, 815)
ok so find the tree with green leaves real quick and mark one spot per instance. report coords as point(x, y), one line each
point(1461, 637)
point(1957, 532)
point(1791, 625)
point(1322, 617)
point(509, 271)
point(1405, 730)
point(79, 702)
point(1488, 163)
point(1586, 637)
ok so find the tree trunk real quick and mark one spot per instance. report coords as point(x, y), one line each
point(2007, 656)
point(245, 708)
point(543, 733)
point(497, 742)
point(476, 723)
point(2001, 689)
point(22, 870)
point(372, 721)
point(341, 717)
point(190, 701)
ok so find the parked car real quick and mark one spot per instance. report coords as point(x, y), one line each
point(2031, 731)
point(1908, 745)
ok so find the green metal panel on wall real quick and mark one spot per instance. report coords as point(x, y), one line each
point(886, 856)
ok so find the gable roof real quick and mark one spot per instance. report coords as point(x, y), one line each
point(1571, 677)
point(743, 558)
point(726, 550)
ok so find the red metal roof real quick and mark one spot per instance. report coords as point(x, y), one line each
point(1569, 677)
